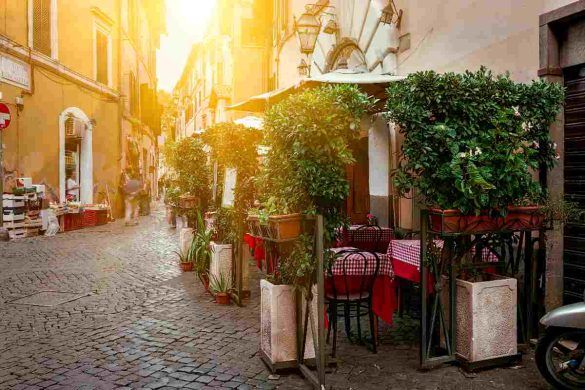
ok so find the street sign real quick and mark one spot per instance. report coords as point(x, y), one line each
point(4, 116)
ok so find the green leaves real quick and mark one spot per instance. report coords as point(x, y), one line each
point(471, 140)
point(309, 136)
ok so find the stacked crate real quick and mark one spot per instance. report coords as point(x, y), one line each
point(14, 214)
point(33, 222)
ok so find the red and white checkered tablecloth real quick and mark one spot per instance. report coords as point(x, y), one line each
point(354, 263)
point(408, 251)
point(367, 237)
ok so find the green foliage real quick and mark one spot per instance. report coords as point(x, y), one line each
point(172, 195)
point(220, 284)
point(560, 210)
point(471, 140)
point(200, 250)
point(299, 267)
point(226, 226)
point(189, 169)
point(308, 136)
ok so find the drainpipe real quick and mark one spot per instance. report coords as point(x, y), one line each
point(120, 100)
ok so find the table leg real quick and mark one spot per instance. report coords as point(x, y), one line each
point(375, 335)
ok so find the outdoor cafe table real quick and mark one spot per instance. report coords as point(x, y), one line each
point(405, 258)
point(367, 238)
point(384, 302)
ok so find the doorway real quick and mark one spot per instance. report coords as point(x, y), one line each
point(76, 154)
point(358, 176)
point(574, 183)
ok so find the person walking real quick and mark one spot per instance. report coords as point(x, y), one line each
point(131, 188)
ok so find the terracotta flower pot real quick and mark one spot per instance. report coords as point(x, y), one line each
point(204, 278)
point(222, 298)
point(187, 267)
point(452, 221)
point(284, 227)
point(524, 218)
point(189, 201)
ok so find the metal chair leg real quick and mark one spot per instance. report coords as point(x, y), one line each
point(330, 304)
point(373, 330)
point(359, 323)
point(334, 349)
point(347, 318)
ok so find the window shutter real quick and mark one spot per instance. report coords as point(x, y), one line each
point(102, 57)
point(42, 26)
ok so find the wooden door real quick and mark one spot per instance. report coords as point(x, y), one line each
point(358, 175)
point(574, 172)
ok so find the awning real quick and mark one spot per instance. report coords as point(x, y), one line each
point(373, 84)
point(250, 121)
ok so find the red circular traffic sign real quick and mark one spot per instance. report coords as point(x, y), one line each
point(5, 116)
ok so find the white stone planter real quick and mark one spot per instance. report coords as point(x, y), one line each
point(486, 319)
point(221, 261)
point(185, 239)
point(278, 326)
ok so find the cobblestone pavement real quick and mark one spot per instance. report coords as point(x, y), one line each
point(137, 322)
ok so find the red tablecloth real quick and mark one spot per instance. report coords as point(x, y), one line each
point(367, 238)
point(384, 301)
point(405, 258)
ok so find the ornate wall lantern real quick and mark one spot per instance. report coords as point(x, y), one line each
point(390, 14)
point(303, 68)
point(331, 27)
point(307, 27)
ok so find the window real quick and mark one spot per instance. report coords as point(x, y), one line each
point(252, 28)
point(102, 55)
point(42, 26)
point(280, 18)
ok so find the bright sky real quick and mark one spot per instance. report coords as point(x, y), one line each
point(186, 23)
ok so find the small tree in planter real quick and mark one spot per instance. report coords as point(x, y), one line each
point(308, 137)
point(187, 161)
point(200, 251)
point(471, 144)
point(232, 146)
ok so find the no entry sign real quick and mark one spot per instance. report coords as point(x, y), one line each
point(4, 116)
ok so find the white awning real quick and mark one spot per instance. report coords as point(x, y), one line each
point(371, 83)
point(250, 121)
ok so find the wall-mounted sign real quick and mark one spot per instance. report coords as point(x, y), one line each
point(5, 117)
point(15, 72)
point(229, 186)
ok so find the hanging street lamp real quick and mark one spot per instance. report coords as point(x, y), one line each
point(307, 27)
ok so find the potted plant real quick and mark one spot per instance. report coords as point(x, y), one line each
point(221, 288)
point(190, 174)
point(185, 262)
point(200, 251)
point(278, 297)
point(471, 144)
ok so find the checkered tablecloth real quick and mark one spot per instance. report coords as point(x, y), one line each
point(354, 263)
point(408, 251)
point(367, 237)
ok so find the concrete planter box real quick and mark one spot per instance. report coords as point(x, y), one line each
point(278, 327)
point(185, 239)
point(486, 319)
point(221, 261)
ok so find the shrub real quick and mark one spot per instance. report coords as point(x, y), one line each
point(472, 140)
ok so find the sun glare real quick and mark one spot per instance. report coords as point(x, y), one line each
point(186, 24)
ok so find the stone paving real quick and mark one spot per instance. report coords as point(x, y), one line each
point(130, 319)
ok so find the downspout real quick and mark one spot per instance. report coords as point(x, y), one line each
point(120, 101)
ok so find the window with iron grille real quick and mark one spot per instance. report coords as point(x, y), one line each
point(102, 57)
point(41, 26)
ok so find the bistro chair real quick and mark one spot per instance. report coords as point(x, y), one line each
point(350, 284)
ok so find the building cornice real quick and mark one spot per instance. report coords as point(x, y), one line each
point(33, 57)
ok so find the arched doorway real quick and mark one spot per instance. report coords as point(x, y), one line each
point(76, 153)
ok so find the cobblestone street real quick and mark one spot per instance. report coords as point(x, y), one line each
point(133, 320)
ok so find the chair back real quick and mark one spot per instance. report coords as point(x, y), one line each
point(353, 274)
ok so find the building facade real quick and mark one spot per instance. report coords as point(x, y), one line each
point(79, 78)
point(229, 65)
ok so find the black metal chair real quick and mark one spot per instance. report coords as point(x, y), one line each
point(352, 296)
